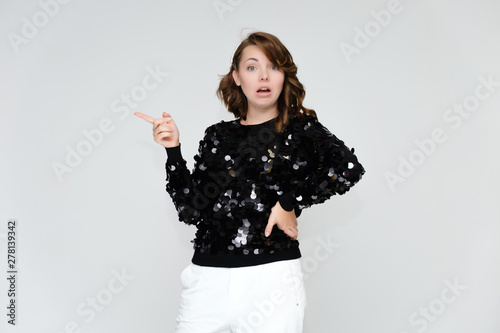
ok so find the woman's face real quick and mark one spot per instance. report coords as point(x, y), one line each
point(260, 80)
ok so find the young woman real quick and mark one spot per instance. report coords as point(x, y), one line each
point(252, 178)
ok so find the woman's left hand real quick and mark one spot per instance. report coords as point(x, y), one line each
point(286, 221)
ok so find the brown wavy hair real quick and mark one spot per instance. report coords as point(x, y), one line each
point(292, 94)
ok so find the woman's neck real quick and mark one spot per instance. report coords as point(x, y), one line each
point(254, 118)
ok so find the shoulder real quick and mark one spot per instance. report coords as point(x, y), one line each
point(303, 120)
point(307, 125)
point(221, 130)
point(221, 126)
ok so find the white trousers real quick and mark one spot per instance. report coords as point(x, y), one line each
point(268, 298)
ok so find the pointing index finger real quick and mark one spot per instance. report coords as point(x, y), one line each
point(145, 117)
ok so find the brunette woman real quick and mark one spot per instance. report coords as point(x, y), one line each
point(252, 178)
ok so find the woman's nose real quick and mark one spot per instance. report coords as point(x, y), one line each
point(264, 76)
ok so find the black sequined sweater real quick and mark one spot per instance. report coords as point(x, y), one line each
point(239, 174)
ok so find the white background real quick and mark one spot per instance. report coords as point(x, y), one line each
point(396, 246)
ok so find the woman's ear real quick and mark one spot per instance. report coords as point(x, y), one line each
point(236, 77)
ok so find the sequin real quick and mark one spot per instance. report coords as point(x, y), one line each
point(241, 238)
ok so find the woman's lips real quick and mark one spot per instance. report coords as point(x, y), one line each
point(264, 92)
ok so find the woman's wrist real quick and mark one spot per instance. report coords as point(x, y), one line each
point(174, 153)
point(286, 201)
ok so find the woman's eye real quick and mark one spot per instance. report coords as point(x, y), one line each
point(274, 68)
point(251, 68)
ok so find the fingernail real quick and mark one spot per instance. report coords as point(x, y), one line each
point(267, 233)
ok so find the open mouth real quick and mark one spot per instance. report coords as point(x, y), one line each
point(264, 90)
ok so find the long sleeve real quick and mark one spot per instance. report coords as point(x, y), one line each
point(322, 166)
point(183, 185)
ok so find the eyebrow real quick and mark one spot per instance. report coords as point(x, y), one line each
point(252, 59)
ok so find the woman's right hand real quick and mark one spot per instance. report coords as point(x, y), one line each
point(165, 130)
